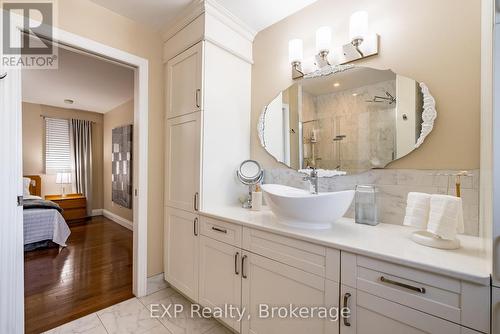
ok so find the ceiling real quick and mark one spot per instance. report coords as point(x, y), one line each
point(93, 83)
point(154, 13)
point(260, 14)
point(257, 14)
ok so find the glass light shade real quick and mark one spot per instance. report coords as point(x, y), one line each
point(358, 25)
point(323, 39)
point(63, 178)
point(295, 50)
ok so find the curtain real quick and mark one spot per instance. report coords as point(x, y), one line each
point(81, 143)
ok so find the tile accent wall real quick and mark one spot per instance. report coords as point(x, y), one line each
point(393, 186)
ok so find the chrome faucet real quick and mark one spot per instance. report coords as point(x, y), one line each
point(313, 179)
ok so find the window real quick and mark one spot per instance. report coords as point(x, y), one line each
point(57, 146)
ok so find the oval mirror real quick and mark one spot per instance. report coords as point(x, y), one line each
point(352, 120)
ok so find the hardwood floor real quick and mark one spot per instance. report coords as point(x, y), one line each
point(93, 272)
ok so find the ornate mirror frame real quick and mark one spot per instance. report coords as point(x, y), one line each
point(429, 113)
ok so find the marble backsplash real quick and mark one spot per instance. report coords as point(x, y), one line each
point(393, 187)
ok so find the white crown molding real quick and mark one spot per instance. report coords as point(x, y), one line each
point(197, 8)
point(188, 15)
point(233, 52)
point(225, 16)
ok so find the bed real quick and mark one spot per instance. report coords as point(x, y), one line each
point(44, 226)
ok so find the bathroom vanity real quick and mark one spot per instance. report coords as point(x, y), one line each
point(216, 253)
point(389, 283)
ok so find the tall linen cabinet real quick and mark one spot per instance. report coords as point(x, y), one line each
point(207, 68)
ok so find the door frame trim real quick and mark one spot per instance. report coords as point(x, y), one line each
point(141, 109)
point(141, 105)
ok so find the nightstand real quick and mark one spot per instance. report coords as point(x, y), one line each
point(74, 206)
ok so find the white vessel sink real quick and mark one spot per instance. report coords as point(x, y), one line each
point(300, 208)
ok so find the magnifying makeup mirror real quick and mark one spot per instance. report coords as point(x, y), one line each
point(250, 173)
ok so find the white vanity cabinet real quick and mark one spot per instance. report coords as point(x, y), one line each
point(220, 277)
point(374, 315)
point(184, 82)
point(181, 264)
point(207, 69)
point(269, 284)
point(207, 60)
point(263, 272)
point(388, 298)
point(182, 162)
point(278, 272)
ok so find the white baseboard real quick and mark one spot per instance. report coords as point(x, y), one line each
point(156, 283)
point(117, 219)
point(96, 212)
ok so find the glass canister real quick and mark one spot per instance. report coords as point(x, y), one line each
point(365, 203)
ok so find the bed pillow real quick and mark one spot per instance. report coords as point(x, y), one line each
point(26, 186)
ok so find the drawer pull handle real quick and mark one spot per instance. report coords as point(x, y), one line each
point(236, 257)
point(218, 229)
point(197, 97)
point(346, 302)
point(195, 227)
point(195, 203)
point(402, 285)
point(243, 273)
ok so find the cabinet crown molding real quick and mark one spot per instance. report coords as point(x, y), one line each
point(199, 7)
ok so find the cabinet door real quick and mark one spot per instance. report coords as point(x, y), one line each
point(184, 82)
point(182, 162)
point(270, 283)
point(220, 280)
point(495, 309)
point(374, 315)
point(181, 247)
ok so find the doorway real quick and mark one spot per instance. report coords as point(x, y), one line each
point(11, 318)
point(78, 152)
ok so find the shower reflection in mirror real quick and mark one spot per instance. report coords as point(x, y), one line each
point(352, 121)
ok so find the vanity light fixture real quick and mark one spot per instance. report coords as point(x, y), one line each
point(323, 44)
point(362, 44)
point(358, 28)
point(295, 56)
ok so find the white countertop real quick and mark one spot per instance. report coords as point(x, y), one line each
point(384, 241)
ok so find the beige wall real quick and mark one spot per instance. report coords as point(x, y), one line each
point(119, 116)
point(89, 20)
point(436, 42)
point(34, 141)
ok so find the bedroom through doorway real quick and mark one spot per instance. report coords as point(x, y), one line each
point(78, 168)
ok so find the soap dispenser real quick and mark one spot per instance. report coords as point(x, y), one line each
point(366, 211)
point(257, 198)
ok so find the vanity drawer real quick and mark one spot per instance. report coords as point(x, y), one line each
point(374, 315)
point(445, 297)
point(303, 255)
point(221, 231)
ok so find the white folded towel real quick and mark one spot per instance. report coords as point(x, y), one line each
point(446, 216)
point(417, 210)
point(323, 172)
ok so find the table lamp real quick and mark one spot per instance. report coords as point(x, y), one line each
point(63, 178)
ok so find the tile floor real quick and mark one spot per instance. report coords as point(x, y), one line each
point(134, 316)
